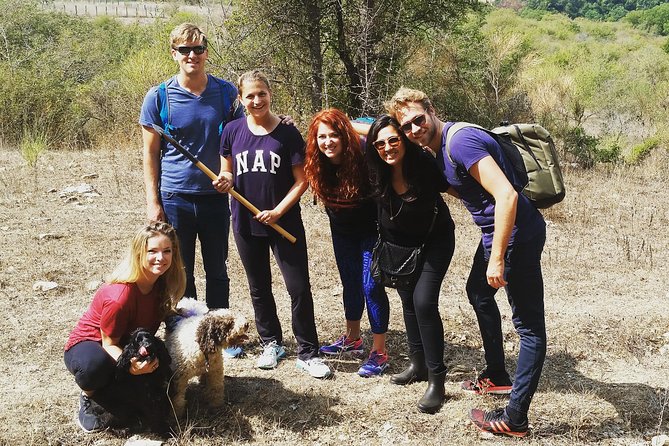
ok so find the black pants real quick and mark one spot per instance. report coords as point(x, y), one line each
point(293, 263)
point(91, 365)
point(420, 305)
point(93, 371)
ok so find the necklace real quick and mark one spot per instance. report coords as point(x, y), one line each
point(393, 217)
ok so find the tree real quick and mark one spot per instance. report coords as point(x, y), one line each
point(472, 72)
point(612, 10)
point(366, 40)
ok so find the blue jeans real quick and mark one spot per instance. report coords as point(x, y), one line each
point(206, 217)
point(525, 291)
point(353, 254)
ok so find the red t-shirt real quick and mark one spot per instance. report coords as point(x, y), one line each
point(117, 309)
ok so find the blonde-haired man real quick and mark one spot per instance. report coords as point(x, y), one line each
point(193, 107)
point(509, 254)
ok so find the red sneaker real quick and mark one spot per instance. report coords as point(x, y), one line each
point(497, 422)
point(485, 384)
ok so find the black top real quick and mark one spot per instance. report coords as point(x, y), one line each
point(357, 220)
point(405, 220)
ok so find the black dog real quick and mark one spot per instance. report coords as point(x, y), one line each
point(146, 393)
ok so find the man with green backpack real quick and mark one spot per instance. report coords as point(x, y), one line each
point(509, 254)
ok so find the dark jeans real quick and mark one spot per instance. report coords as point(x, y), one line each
point(293, 263)
point(353, 254)
point(206, 217)
point(91, 365)
point(425, 330)
point(525, 291)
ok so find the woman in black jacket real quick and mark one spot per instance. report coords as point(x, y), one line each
point(407, 184)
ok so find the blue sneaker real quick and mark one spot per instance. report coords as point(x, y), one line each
point(375, 365)
point(343, 345)
point(234, 351)
point(88, 420)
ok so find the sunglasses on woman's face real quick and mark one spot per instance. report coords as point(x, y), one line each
point(418, 120)
point(380, 144)
point(185, 50)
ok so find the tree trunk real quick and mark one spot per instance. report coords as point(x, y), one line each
point(315, 53)
point(352, 71)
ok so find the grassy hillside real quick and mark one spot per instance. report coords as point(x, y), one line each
point(602, 88)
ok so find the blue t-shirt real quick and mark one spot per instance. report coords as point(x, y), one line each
point(469, 146)
point(262, 170)
point(196, 121)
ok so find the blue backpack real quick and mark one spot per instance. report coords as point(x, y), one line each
point(163, 105)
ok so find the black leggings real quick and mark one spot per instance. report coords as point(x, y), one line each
point(420, 305)
point(292, 261)
point(91, 365)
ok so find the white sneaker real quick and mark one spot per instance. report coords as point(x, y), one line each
point(316, 367)
point(234, 351)
point(270, 356)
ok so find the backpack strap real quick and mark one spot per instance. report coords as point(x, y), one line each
point(163, 104)
point(452, 130)
point(226, 107)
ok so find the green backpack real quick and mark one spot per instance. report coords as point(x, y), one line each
point(531, 152)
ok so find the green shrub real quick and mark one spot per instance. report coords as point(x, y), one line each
point(609, 153)
point(580, 147)
point(32, 145)
point(641, 151)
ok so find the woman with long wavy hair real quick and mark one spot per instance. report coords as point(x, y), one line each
point(336, 170)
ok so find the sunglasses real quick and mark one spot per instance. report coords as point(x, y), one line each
point(185, 50)
point(418, 120)
point(380, 144)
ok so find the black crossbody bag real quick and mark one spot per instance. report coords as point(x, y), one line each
point(396, 266)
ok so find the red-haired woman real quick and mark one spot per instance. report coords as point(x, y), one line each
point(336, 170)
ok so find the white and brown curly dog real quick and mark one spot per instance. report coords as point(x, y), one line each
point(195, 340)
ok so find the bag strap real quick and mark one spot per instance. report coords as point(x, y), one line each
point(164, 107)
point(429, 231)
point(434, 219)
point(452, 130)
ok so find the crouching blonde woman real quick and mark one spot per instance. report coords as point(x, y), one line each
point(143, 289)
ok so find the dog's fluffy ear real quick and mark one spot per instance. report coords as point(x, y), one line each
point(212, 332)
point(164, 359)
point(123, 362)
point(161, 351)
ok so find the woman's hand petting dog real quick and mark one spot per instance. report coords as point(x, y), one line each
point(138, 367)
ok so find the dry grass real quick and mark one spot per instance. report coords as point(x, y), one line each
point(605, 381)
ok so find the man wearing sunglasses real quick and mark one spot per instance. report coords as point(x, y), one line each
point(509, 255)
point(193, 107)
